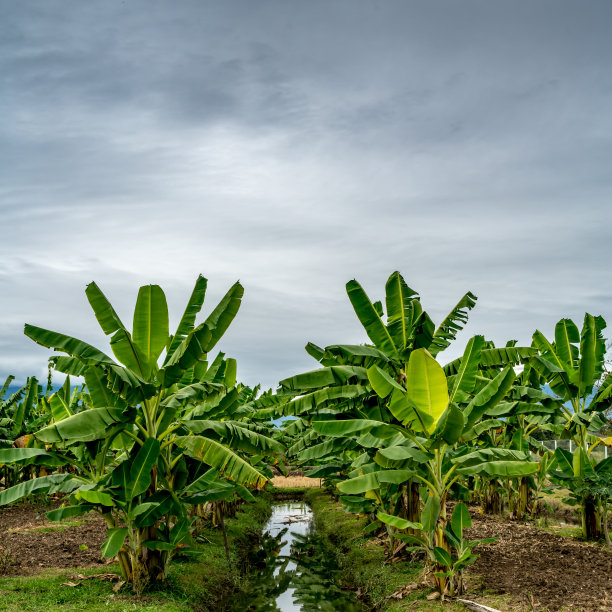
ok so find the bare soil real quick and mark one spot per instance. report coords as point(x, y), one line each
point(30, 543)
point(543, 570)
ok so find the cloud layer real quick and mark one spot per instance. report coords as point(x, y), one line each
point(296, 146)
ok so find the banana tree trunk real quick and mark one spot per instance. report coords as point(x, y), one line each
point(522, 501)
point(591, 521)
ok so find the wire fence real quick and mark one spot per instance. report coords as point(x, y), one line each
point(600, 452)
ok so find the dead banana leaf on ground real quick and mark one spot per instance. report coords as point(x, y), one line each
point(401, 592)
point(107, 577)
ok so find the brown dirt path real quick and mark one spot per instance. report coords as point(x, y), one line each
point(26, 547)
point(558, 573)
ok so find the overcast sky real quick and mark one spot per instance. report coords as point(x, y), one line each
point(295, 146)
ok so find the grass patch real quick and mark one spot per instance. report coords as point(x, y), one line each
point(49, 528)
point(201, 585)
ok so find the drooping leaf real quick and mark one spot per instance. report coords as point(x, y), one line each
point(397, 522)
point(43, 483)
point(216, 455)
point(83, 426)
point(489, 396)
point(442, 557)
point(66, 344)
point(94, 497)
point(114, 541)
point(381, 382)
point(140, 471)
point(371, 481)
point(69, 512)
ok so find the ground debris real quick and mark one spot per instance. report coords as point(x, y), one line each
point(402, 591)
point(556, 571)
point(108, 577)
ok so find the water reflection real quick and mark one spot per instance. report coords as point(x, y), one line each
point(294, 571)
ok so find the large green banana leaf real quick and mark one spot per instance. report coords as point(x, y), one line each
point(497, 357)
point(60, 342)
point(84, 426)
point(29, 487)
point(218, 456)
point(381, 382)
point(324, 377)
point(350, 354)
point(187, 323)
point(236, 436)
point(201, 340)
point(426, 387)
point(371, 319)
point(140, 470)
point(489, 396)
point(151, 328)
point(348, 427)
point(371, 481)
point(399, 310)
point(465, 379)
point(27, 456)
point(592, 351)
point(496, 462)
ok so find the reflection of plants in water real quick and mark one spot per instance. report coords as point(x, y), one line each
point(267, 585)
point(315, 581)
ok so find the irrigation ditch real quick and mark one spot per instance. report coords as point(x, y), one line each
point(294, 568)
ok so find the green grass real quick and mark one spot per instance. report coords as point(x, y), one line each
point(285, 492)
point(50, 528)
point(199, 585)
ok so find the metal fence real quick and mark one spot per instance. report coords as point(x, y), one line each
point(600, 452)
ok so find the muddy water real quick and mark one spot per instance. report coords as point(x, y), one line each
point(294, 570)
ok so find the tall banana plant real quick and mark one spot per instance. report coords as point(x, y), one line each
point(573, 367)
point(146, 422)
point(433, 416)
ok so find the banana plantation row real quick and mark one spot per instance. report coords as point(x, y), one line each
point(162, 433)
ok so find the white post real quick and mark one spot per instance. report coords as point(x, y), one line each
point(570, 446)
point(555, 445)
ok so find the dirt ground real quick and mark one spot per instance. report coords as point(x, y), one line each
point(541, 569)
point(29, 543)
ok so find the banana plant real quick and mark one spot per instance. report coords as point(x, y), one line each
point(140, 422)
point(431, 418)
point(573, 367)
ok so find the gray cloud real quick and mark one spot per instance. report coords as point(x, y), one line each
point(296, 146)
